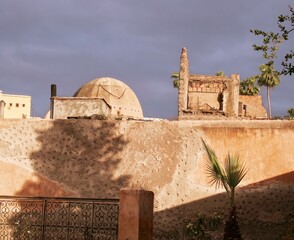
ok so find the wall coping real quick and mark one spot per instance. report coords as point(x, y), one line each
point(193, 123)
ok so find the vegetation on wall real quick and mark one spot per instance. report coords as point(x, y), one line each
point(176, 79)
point(220, 74)
point(228, 176)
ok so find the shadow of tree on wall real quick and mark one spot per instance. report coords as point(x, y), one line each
point(75, 158)
point(82, 156)
point(265, 210)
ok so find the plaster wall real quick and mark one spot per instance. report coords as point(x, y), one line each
point(122, 100)
point(16, 106)
point(91, 158)
point(196, 101)
point(79, 107)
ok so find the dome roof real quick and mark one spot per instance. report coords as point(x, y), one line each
point(118, 95)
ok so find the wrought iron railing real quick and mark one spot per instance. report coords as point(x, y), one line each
point(58, 218)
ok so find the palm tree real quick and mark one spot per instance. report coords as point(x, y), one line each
point(248, 87)
point(228, 177)
point(269, 78)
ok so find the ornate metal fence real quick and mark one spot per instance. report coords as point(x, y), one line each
point(58, 218)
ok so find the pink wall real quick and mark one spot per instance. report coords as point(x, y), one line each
point(88, 158)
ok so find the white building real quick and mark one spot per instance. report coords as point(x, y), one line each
point(15, 106)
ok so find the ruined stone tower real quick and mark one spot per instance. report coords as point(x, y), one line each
point(204, 95)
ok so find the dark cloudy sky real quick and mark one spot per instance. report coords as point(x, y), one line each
point(70, 42)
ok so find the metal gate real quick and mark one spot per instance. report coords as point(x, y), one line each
point(58, 218)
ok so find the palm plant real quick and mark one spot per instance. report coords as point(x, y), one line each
point(228, 176)
point(248, 87)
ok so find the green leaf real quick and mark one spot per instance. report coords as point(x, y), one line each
point(229, 177)
point(235, 171)
point(213, 168)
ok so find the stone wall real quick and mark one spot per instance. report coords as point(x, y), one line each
point(254, 106)
point(205, 95)
point(213, 92)
point(91, 158)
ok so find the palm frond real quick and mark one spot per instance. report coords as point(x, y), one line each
point(235, 171)
point(213, 168)
point(228, 176)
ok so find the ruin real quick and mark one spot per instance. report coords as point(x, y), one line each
point(206, 96)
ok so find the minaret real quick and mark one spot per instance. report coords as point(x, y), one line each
point(184, 82)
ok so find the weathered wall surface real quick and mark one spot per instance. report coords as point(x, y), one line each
point(87, 158)
point(79, 107)
point(254, 106)
point(183, 82)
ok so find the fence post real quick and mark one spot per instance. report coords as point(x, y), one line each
point(135, 214)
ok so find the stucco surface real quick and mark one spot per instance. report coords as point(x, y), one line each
point(118, 95)
point(79, 107)
point(92, 158)
point(255, 108)
point(16, 106)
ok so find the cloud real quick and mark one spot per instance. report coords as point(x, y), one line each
point(139, 42)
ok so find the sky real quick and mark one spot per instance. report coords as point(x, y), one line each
point(70, 42)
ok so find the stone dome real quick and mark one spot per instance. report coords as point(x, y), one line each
point(118, 95)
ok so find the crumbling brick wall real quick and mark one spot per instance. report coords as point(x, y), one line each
point(217, 96)
point(202, 94)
